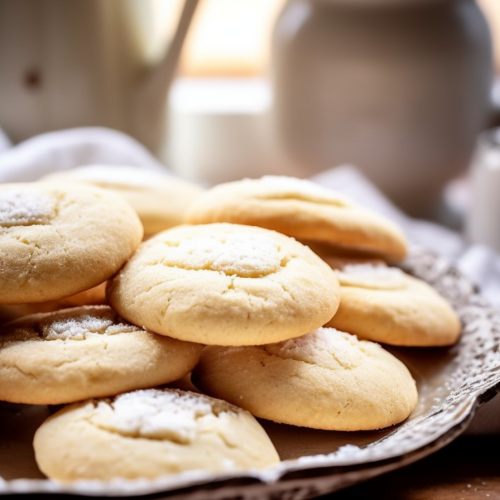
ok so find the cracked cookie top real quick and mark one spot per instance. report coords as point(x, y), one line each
point(326, 379)
point(225, 284)
point(242, 254)
point(159, 414)
point(384, 304)
point(301, 209)
point(85, 352)
point(323, 347)
point(57, 240)
point(149, 434)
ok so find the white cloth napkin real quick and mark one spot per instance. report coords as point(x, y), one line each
point(45, 153)
point(36, 157)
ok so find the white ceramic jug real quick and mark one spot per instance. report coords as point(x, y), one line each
point(400, 88)
point(68, 63)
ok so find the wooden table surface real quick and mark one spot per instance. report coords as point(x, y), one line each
point(468, 469)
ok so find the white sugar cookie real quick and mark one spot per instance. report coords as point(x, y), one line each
point(160, 200)
point(225, 284)
point(386, 305)
point(84, 352)
point(58, 240)
point(325, 380)
point(149, 434)
point(301, 209)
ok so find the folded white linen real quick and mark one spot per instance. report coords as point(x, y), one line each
point(65, 149)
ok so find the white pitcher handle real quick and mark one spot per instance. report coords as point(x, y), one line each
point(148, 110)
point(173, 52)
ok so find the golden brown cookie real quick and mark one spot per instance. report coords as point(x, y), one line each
point(225, 284)
point(386, 305)
point(301, 209)
point(85, 352)
point(160, 200)
point(325, 380)
point(149, 434)
point(57, 240)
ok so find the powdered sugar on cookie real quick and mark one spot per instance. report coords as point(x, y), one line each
point(25, 208)
point(325, 347)
point(82, 327)
point(155, 414)
point(244, 254)
point(72, 324)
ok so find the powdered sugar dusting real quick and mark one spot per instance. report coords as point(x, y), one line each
point(156, 414)
point(68, 325)
point(347, 452)
point(83, 327)
point(244, 254)
point(377, 276)
point(325, 347)
point(24, 208)
point(304, 189)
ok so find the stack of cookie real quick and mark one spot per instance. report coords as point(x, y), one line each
point(287, 330)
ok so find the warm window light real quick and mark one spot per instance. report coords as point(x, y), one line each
point(231, 38)
point(164, 20)
point(227, 38)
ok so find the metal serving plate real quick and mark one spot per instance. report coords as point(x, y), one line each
point(452, 383)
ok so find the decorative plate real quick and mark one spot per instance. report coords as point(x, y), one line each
point(452, 383)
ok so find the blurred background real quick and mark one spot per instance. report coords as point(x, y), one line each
point(224, 89)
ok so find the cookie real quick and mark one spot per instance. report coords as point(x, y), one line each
point(324, 380)
point(160, 200)
point(225, 284)
point(59, 240)
point(301, 209)
point(386, 305)
point(90, 297)
point(149, 434)
point(85, 352)
point(10, 312)
point(93, 296)
point(337, 257)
